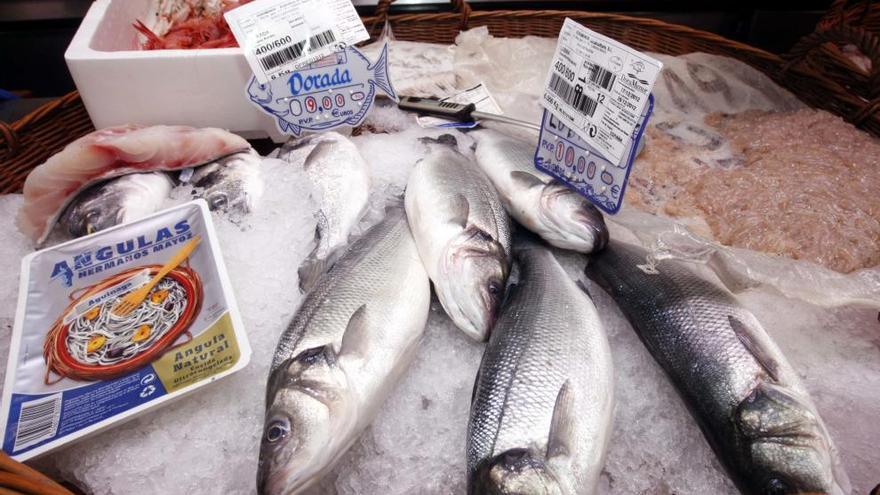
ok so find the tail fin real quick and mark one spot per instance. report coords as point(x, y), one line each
point(379, 71)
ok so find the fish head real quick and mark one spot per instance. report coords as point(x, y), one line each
point(307, 415)
point(96, 210)
point(477, 267)
point(516, 472)
point(787, 448)
point(577, 223)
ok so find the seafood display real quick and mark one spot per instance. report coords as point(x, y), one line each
point(541, 416)
point(750, 403)
point(342, 177)
point(545, 206)
point(109, 153)
point(116, 201)
point(189, 24)
point(351, 340)
point(463, 235)
point(567, 352)
point(773, 188)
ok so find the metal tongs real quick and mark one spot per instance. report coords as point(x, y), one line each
point(457, 111)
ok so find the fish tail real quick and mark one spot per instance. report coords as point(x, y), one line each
point(380, 74)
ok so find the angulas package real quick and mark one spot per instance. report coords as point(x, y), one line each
point(116, 323)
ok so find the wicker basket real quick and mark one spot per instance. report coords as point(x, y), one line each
point(822, 55)
point(31, 140)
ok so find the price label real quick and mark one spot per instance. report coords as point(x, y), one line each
point(598, 88)
point(280, 36)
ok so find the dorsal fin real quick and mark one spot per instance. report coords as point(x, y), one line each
point(460, 209)
point(747, 336)
point(562, 435)
point(525, 179)
point(354, 340)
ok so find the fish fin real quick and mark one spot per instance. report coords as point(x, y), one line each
point(460, 210)
point(559, 441)
point(444, 139)
point(354, 340)
point(314, 152)
point(747, 338)
point(583, 287)
point(525, 179)
point(379, 71)
point(313, 268)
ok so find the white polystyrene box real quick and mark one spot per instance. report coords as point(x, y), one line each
point(122, 84)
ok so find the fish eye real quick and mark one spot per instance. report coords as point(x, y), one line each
point(494, 287)
point(310, 355)
point(277, 430)
point(776, 486)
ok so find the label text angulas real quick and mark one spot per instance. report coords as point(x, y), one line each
point(299, 83)
point(87, 259)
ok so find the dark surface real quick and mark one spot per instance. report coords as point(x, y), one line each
point(35, 33)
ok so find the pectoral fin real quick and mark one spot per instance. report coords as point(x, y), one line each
point(460, 209)
point(562, 434)
point(354, 340)
point(525, 179)
point(749, 340)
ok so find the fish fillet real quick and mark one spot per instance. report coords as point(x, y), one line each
point(113, 152)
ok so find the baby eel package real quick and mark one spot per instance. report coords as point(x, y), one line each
point(115, 323)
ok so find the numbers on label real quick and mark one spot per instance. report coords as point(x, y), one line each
point(340, 100)
point(327, 102)
point(311, 105)
point(564, 71)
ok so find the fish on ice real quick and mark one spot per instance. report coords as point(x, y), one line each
point(230, 183)
point(348, 345)
point(747, 399)
point(341, 176)
point(547, 207)
point(109, 153)
point(119, 200)
point(544, 396)
point(463, 235)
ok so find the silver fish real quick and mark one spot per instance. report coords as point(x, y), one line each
point(749, 402)
point(232, 183)
point(342, 177)
point(116, 201)
point(463, 235)
point(540, 203)
point(351, 340)
point(544, 396)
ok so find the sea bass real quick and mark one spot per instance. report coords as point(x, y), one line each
point(342, 177)
point(749, 402)
point(109, 153)
point(463, 235)
point(350, 342)
point(116, 201)
point(542, 204)
point(543, 399)
point(232, 183)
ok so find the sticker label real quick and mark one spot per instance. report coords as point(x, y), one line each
point(75, 367)
point(598, 88)
point(563, 154)
point(478, 95)
point(334, 91)
point(280, 36)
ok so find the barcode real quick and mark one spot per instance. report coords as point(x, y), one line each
point(583, 103)
point(283, 55)
point(602, 77)
point(38, 421)
point(321, 40)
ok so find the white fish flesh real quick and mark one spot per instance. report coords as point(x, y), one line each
point(113, 152)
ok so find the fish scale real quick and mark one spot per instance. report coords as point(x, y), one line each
point(746, 398)
point(548, 334)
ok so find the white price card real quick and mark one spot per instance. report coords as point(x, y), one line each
point(280, 36)
point(598, 87)
point(479, 95)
